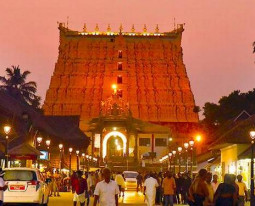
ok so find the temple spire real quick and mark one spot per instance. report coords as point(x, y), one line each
point(109, 28)
point(133, 28)
point(145, 28)
point(85, 28)
point(97, 28)
point(157, 29)
point(121, 28)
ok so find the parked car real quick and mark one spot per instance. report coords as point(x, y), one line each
point(25, 185)
point(130, 179)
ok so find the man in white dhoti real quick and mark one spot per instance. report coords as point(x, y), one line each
point(150, 186)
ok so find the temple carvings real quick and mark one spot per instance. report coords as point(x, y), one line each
point(147, 68)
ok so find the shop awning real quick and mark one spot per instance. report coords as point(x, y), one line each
point(24, 151)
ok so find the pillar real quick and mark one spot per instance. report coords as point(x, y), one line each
point(127, 145)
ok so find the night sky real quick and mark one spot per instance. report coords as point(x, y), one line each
point(217, 41)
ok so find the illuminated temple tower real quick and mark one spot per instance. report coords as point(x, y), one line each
point(147, 68)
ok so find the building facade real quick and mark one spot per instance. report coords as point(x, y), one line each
point(146, 69)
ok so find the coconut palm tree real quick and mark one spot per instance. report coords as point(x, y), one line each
point(15, 84)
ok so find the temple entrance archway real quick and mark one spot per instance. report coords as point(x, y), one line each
point(118, 135)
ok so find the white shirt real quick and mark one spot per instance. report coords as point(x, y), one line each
point(215, 186)
point(107, 192)
point(151, 184)
point(2, 184)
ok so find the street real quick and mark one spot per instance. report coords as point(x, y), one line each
point(131, 198)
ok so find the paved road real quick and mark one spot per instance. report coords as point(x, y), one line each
point(131, 198)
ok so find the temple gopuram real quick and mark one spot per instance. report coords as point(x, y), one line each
point(130, 90)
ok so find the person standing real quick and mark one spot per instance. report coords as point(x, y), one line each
point(209, 199)
point(225, 194)
point(56, 183)
point(139, 179)
point(3, 187)
point(119, 179)
point(79, 189)
point(150, 186)
point(215, 183)
point(106, 191)
point(169, 188)
point(198, 190)
point(185, 188)
point(243, 194)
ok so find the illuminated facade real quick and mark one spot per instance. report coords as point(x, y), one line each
point(147, 69)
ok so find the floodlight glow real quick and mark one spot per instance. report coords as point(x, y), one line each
point(114, 133)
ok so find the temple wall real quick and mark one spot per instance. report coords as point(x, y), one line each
point(154, 78)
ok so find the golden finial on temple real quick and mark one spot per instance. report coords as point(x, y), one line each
point(97, 28)
point(121, 28)
point(109, 28)
point(157, 29)
point(84, 28)
point(145, 28)
point(133, 28)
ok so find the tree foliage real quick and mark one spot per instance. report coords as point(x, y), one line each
point(15, 84)
point(229, 107)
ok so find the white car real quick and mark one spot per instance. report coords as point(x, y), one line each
point(130, 179)
point(25, 185)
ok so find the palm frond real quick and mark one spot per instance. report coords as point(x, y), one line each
point(25, 74)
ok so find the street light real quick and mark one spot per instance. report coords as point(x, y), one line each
point(252, 135)
point(186, 146)
point(170, 159)
point(83, 159)
point(39, 141)
point(60, 146)
point(47, 142)
point(174, 153)
point(77, 159)
point(7, 130)
point(180, 151)
point(70, 159)
point(191, 144)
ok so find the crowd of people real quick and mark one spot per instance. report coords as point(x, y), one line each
point(158, 188)
point(203, 190)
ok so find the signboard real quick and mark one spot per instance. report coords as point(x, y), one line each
point(44, 155)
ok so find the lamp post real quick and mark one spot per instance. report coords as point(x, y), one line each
point(70, 159)
point(180, 151)
point(77, 159)
point(170, 159)
point(7, 130)
point(174, 153)
point(83, 161)
point(186, 146)
point(191, 144)
point(38, 144)
point(60, 146)
point(252, 135)
point(47, 142)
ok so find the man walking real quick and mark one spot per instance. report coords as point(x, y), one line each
point(215, 183)
point(79, 189)
point(169, 188)
point(242, 197)
point(119, 179)
point(150, 186)
point(106, 191)
point(139, 179)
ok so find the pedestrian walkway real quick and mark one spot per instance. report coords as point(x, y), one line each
point(131, 198)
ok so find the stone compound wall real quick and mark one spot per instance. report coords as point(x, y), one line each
point(154, 78)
